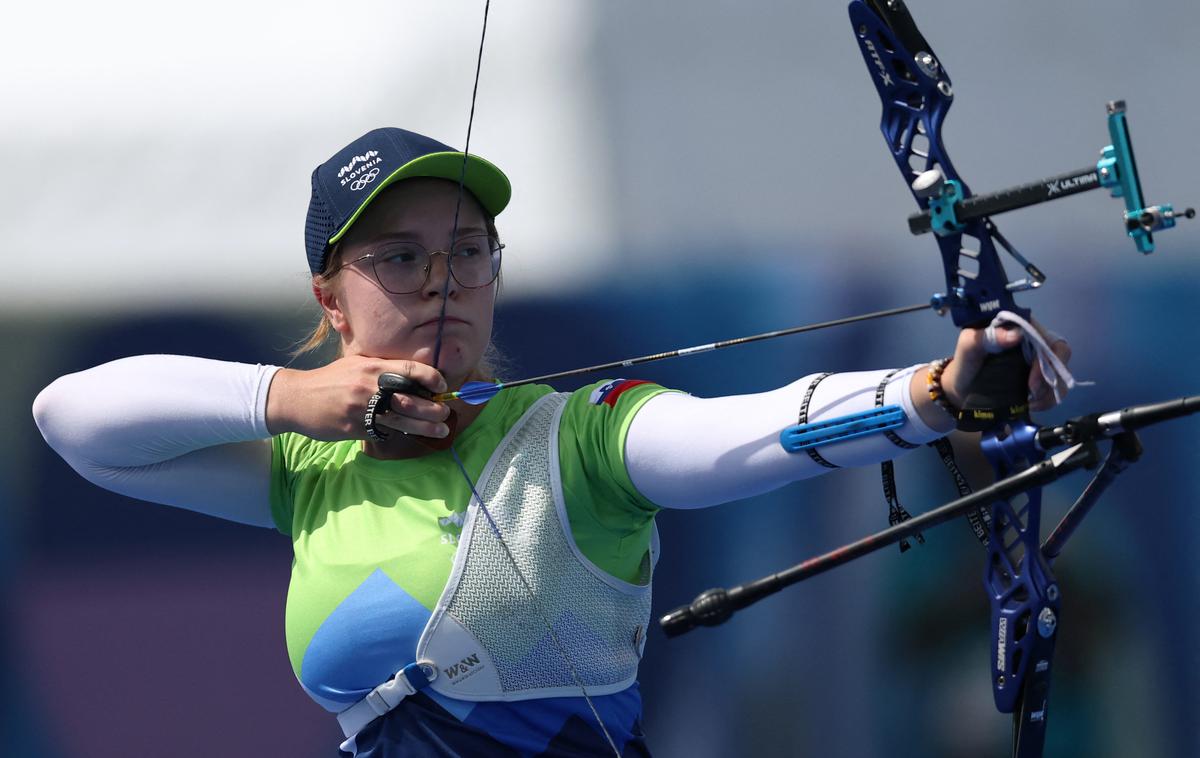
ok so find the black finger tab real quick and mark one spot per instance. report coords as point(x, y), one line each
point(396, 383)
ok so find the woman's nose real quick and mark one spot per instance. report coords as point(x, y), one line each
point(439, 279)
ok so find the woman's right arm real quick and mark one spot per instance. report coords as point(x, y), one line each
point(183, 431)
point(195, 433)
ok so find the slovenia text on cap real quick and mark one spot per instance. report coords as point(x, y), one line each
point(346, 183)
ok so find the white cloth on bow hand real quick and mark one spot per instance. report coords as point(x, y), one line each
point(1055, 372)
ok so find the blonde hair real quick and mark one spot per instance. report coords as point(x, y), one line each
point(321, 333)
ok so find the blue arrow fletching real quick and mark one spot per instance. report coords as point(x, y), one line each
point(475, 393)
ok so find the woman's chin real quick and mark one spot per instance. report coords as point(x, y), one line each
point(454, 361)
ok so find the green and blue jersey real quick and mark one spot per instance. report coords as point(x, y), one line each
point(374, 541)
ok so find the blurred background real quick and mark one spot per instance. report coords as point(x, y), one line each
point(683, 172)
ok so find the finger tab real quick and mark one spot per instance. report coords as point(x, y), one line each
point(401, 384)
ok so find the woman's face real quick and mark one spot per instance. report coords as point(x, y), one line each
point(376, 323)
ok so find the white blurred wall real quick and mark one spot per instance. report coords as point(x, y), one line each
point(159, 154)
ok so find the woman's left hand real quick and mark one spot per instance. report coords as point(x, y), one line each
point(971, 350)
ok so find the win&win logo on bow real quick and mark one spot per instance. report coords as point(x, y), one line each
point(361, 170)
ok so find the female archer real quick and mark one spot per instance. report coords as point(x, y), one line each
point(468, 579)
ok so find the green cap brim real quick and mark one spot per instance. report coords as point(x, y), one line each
point(486, 182)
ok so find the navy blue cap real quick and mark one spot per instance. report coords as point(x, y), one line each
point(346, 184)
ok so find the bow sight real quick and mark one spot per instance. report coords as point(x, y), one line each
point(948, 210)
point(916, 93)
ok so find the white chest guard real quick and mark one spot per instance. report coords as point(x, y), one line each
point(489, 637)
point(489, 634)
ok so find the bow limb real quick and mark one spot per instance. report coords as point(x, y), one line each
point(916, 94)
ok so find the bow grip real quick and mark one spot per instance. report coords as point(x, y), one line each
point(999, 393)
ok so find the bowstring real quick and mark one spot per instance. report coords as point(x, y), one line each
point(462, 183)
point(437, 352)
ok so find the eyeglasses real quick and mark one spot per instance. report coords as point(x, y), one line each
point(402, 268)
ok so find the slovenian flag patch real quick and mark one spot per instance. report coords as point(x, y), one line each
point(608, 393)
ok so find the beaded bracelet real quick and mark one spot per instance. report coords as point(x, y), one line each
point(933, 382)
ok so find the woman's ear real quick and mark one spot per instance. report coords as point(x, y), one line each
point(327, 296)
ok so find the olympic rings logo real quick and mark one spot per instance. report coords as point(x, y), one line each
point(364, 180)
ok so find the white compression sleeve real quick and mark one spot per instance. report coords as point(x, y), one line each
point(690, 452)
point(187, 432)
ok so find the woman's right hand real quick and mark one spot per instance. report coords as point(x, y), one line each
point(328, 403)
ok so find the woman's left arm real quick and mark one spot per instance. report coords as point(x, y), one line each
point(688, 452)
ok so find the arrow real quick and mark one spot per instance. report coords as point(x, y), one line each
point(475, 393)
